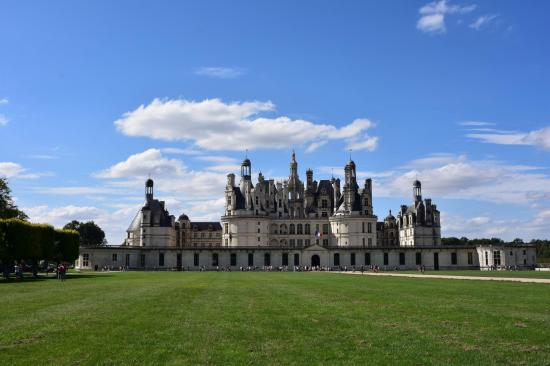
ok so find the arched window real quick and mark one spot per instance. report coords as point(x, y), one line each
point(336, 259)
point(291, 229)
point(299, 229)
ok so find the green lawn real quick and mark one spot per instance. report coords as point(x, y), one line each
point(272, 318)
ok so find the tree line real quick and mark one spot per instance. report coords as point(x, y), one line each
point(29, 244)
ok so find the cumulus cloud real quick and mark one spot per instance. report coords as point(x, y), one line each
point(482, 21)
point(432, 15)
point(4, 101)
point(13, 170)
point(221, 72)
point(539, 138)
point(3, 120)
point(176, 177)
point(214, 125)
point(457, 177)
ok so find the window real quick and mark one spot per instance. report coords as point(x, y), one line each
point(352, 259)
point(285, 259)
point(362, 227)
point(226, 242)
point(511, 253)
point(196, 259)
point(267, 259)
point(496, 257)
point(306, 242)
point(258, 230)
point(257, 201)
point(85, 260)
point(386, 259)
point(250, 259)
point(258, 239)
point(336, 259)
point(229, 200)
point(325, 228)
point(324, 204)
point(401, 259)
point(486, 258)
point(307, 229)
point(299, 229)
point(161, 259)
point(470, 258)
point(233, 259)
point(325, 242)
point(226, 227)
point(291, 229)
point(299, 242)
point(127, 260)
point(363, 241)
point(367, 259)
point(142, 260)
point(369, 228)
point(324, 214)
point(370, 242)
point(524, 252)
point(454, 259)
point(115, 257)
point(418, 258)
point(215, 259)
point(296, 259)
point(292, 243)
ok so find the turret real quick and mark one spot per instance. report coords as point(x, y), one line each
point(246, 169)
point(417, 191)
point(149, 190)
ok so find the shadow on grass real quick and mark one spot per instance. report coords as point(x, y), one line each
point(43, 277)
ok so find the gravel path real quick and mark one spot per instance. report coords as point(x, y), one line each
point(477, 278)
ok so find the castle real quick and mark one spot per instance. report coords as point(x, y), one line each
point(293, 224)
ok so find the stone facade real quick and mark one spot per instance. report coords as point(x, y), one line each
point(294, 223)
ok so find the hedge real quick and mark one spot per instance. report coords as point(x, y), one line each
point(21, 240)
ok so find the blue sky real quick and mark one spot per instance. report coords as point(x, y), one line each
point(96, 95)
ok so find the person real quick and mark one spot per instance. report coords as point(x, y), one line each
point(61, 271)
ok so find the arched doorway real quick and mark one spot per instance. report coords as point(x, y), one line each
point(315, 261)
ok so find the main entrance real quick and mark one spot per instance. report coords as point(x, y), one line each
point(315, 260)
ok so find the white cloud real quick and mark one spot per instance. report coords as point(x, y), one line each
point(482, 21)
point(174, 176)
point(539, 138)
point(457, 177)
point(476, 123)
point(78, 190)
point(217, 159)
point(3, 120)
point(480, 220)
point(315, 145)
point(149, 162)
point(13, 170)
point(367, 143)
point(214, 125)
point(4, 101)
point(221, 72)
point(180, 151)
point(432, 19)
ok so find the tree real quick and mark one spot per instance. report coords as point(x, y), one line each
point(66, 245)
point(90, 233)
point(8, 209)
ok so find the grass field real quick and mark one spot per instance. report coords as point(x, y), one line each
point(272, 318)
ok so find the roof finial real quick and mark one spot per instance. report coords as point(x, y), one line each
point(350, 150)
point(332, 172)
point(246, 154)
